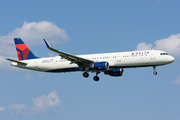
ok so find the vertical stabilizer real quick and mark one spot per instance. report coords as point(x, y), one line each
point(23, 52)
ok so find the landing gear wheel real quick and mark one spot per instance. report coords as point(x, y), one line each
point(155, 73)
point(85, 74)
point(96, 78)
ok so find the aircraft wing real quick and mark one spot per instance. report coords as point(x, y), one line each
point(82, 62)
point(22, 63)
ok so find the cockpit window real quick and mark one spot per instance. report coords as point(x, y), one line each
point(164, 54)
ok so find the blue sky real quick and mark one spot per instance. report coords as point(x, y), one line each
point(84, 27)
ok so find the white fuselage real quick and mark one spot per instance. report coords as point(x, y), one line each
point(116, 60)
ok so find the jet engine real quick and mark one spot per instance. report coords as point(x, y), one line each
point(100, 66)
point(115, 72)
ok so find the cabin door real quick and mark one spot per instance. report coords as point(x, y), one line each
point(118, 58)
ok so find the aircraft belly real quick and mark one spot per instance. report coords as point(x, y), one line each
point(59, 67)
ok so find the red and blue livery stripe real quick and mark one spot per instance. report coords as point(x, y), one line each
point(23, 52)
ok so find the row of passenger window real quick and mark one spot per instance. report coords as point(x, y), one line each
point(103, 57)
point(135, 55)
point(49, 61)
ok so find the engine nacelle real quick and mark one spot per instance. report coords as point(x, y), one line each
point(100, 66)
point(115, 72)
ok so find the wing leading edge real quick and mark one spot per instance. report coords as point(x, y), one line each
point(81, 62)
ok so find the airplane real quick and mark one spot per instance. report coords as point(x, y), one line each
point(112, 64)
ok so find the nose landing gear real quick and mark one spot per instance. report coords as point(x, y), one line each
point(154, 68)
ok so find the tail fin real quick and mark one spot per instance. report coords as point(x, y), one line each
point(23, 52)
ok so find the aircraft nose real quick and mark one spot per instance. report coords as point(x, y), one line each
point(171, 59)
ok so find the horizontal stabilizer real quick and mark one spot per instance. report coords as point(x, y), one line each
point(22, 63)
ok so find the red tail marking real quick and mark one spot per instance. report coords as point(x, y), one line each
point(19, 55)
point(25, 51)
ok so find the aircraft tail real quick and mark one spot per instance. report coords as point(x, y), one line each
point(23, 52)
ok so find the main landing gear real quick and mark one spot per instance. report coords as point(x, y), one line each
point(95, 78)
point(154, 68)
point(85, 74)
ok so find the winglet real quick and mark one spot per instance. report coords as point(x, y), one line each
point(47, 44)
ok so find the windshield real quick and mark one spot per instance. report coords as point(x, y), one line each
point(164, 54)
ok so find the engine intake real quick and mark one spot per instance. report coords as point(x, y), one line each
point(115, 72)
point(101, 66)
